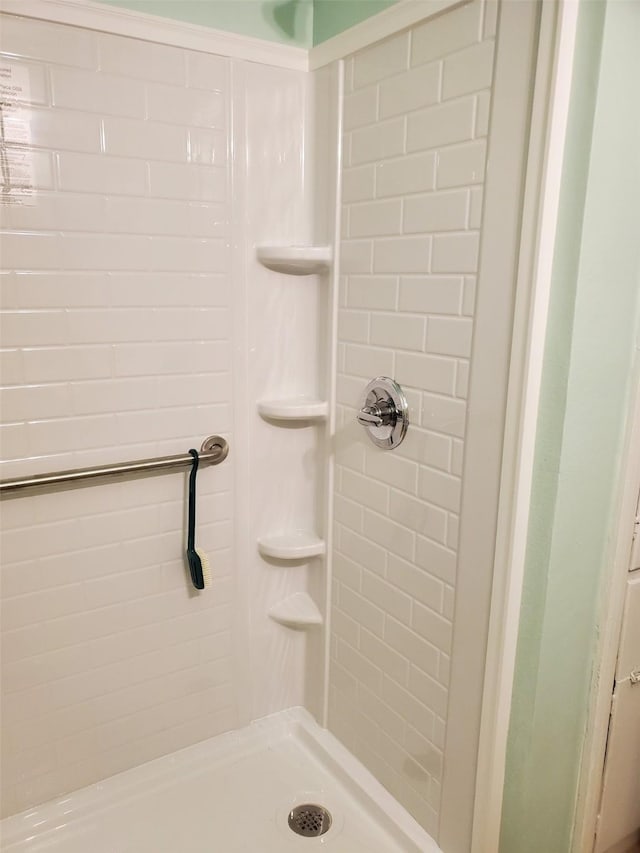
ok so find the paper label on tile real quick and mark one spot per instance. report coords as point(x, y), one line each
point(17, 178)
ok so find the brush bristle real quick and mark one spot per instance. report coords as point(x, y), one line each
point(206, 569)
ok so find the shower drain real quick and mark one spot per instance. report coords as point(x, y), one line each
point(309, 820)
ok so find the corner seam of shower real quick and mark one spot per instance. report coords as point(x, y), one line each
point(330, 428)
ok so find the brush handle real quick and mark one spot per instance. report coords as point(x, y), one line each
point(195, 564)
point(191, 527)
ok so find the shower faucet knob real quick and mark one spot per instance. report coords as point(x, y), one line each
point(377, 416)
point(384, 412)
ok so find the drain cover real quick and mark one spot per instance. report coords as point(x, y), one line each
point(309, 820)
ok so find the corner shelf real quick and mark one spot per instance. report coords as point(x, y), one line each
point(298, 611)
point(294, 409)
point(295, 260)
point(292, 546)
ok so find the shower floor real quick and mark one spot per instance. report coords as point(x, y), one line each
point(231, 794)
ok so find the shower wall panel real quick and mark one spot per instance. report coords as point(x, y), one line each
point(284, 356)
point(124, 335)
point(416, 113)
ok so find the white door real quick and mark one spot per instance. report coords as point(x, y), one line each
point(618, 828)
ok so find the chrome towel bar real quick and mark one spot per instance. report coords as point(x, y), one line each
point(214, 450)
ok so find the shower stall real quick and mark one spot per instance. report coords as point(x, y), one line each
point(214, 235)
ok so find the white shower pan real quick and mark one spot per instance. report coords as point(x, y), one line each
point(232, 793)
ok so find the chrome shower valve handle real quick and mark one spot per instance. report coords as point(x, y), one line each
point(379, 415)
point(384, 412)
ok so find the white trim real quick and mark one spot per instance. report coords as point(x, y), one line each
point(398, 17)
point(610, 624)
point(542, 195)
point(124, 22)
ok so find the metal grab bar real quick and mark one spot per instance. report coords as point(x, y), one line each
point(214, 450)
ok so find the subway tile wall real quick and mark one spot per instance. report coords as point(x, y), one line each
point(123, 336)
point(115, 345)
point(415, 125)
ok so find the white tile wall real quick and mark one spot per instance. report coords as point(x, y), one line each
point(124, 336)
point(415, 114)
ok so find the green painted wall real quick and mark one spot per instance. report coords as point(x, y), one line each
point(285, 21)
point(589, 353)
point(331, 17)
point(299, 22)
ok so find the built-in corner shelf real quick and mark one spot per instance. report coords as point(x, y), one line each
point(294, 409)
point(295, 260)
point(297, 611)
point(299, 545)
